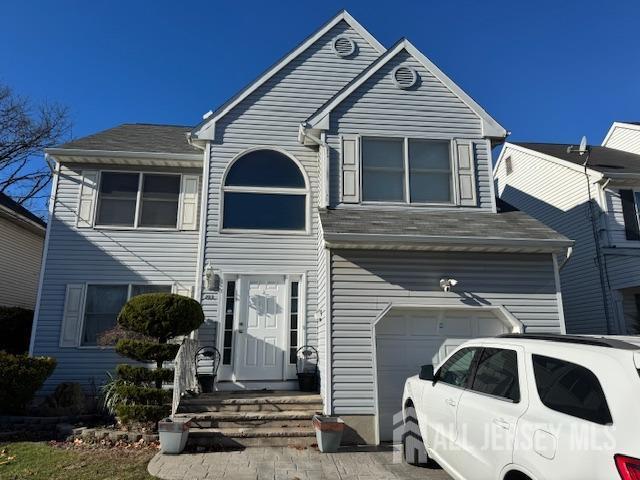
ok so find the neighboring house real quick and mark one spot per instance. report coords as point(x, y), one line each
point(21, 241)
point(601, 280)
point(326, 204)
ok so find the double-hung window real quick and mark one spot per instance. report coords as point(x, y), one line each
point(148, 200)
point(103, 304)
point(406, 170)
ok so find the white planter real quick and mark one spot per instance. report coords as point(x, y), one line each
point(173, 435)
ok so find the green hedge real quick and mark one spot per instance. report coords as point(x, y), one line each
point(144, 374)
point(20, 378)
point(141, 413)
point(16, 329)
point(145, 351)
point(143, 395)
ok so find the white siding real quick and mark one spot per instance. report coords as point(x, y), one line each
point(428, 110)
point(557, 196)
point(615, 220)
point(102, 256)
point(271, 116)
point(20, 257)
point(624, 138)
point(365, 282)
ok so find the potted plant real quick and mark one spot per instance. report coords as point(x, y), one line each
point(329, 432)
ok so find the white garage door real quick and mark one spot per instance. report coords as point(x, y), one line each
point(406, 339)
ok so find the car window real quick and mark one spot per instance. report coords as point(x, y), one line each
point(571, 389)
point(497, 374)
point(457, 369)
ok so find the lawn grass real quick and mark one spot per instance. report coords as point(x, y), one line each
point(41, 461)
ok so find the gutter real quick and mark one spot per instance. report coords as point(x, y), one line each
point(73, 152)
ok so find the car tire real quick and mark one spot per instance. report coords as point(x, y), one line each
point(413, 449)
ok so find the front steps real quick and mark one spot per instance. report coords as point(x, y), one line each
point(251, 419)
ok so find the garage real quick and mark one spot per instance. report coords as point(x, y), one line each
point(407, 338)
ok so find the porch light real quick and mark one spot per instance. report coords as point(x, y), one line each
point(446, 284)
point(209, 276)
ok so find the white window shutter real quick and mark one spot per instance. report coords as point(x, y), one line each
point(465, 166)
point(350, 169)
point(72, 316)
point(87, 199)
point(184, 290)
point(189, 199)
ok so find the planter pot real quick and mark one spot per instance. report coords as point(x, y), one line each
point(206, 383)
point(308, 381)
point(328, 433)
point(173, 435)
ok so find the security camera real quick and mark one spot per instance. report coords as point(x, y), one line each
point(447, 283)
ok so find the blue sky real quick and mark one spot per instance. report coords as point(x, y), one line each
point(546, 70)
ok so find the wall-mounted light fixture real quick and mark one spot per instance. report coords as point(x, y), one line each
point(209, 276)
point(446, 284)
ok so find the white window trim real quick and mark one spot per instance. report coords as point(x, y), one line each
point(306, 191)
point(407, 188)
point(136, 219)
point(106, 283)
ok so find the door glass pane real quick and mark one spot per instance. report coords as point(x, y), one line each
point(227, 347)
point(457, 369)
point(142, 289)
point(261, 211)
point(103, 304)
point(571, 389)
point(117, 199)
point(429, 171)
point(497, 374)
point(383, 169)
point(160, 197)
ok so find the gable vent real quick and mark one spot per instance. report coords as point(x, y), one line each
point(343, 46)
point(404, 77)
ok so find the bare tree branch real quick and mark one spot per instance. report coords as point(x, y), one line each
point(25, 131)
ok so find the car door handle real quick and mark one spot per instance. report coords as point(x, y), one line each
point(451, 402)
point(502, 423)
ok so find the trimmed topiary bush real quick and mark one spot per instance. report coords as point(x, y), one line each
point(16, 329)
point(154, 319)
point(20, 378)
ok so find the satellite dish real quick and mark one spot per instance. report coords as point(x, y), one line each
point(583, 146)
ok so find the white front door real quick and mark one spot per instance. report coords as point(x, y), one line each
point(260, 346)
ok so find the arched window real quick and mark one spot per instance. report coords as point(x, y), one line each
point(265, 190)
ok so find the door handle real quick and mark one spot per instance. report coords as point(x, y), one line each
point(451, 402)
point(502, 423)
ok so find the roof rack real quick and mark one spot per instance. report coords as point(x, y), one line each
point(575, 339)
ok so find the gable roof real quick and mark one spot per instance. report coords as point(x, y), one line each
point(319, 119)
point(608, 161)
point(135, 137)
point(206, 129)
point(620, 125)
point(17, 210)
point(414, 228)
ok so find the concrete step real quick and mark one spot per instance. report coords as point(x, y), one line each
point(271, 407)
point(252, 437)
point(260, 401)
point(292, 418)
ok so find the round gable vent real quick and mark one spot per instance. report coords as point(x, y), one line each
point(343, 46)
point(404, 77)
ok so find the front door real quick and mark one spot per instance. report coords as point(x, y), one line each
point(260, 343)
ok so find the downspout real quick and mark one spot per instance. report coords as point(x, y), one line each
point(596, 239)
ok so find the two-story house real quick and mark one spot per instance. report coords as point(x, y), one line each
point(591, 198)
point(343, 200)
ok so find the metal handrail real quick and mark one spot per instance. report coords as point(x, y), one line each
point(184, 377)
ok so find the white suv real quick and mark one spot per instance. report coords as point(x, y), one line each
point(536, 407)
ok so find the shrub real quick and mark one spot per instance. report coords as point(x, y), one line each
point(20, 378)
point(16, 329)
point(67, 399)
point(158, 318)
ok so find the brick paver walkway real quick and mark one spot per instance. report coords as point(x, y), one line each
point(290, 464)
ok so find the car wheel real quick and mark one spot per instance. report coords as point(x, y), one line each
point(414, 452)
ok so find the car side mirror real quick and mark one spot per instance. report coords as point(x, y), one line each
point(426, 373)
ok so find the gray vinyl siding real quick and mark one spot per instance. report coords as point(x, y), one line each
point(20, 257)
point(428, 110)
point(623, 269)
point(627, 139)
point(271, 116)
point(365, 282)
point(557, 196)
point(322, 321)
point(102, 256)
point(615, 220)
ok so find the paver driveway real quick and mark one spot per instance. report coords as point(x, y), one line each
point(281, 463)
